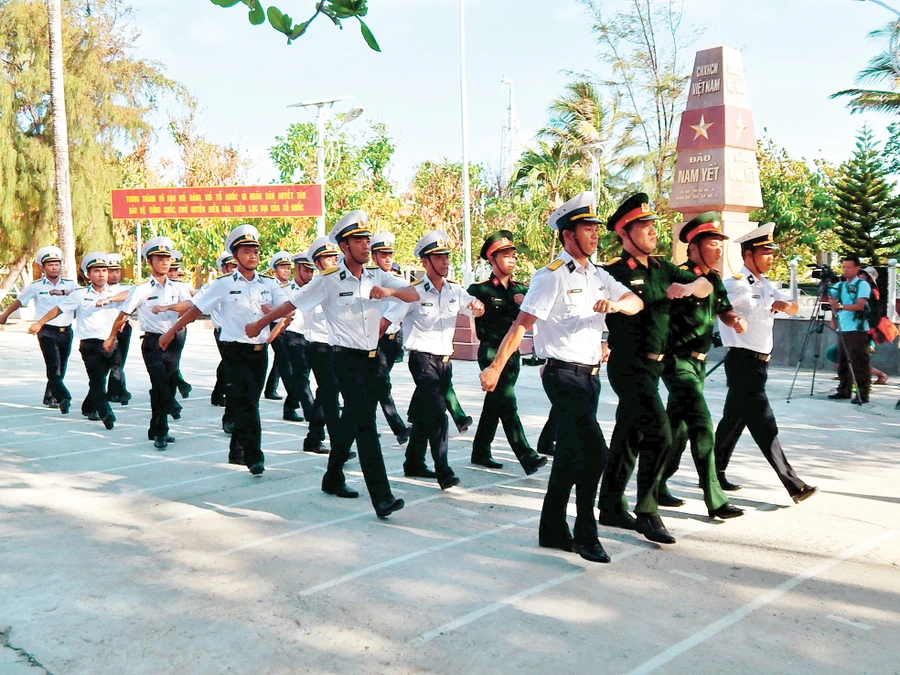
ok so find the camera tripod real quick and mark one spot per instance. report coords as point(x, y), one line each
point(816, 328)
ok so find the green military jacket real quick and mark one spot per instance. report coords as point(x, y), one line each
point(647, 331)
point(500, 309)
point(693, 319)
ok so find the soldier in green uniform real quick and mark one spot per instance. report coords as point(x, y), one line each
point(501, 296)
point(690, 338)
point(638, 345)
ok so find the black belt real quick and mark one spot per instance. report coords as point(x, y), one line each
point(361, 353)
point(765, 358)
point(697, 356)
point(433, 357)
point(61, 329)
point(392, 336)
point(578, 368)
point(245, 346)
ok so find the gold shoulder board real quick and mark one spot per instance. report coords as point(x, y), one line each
point(330, 270)
point(417, 282)
point(738, 276)
point(555, 265)
point(611, 262)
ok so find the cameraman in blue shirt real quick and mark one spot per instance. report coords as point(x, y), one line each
point(849, 301)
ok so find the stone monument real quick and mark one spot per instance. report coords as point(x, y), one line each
point(716, 169)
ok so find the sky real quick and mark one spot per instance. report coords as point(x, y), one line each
point(796, 53)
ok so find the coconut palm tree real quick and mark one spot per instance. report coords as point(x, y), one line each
point(66, 231)
point(882, 68)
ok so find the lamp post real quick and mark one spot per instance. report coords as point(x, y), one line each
point(321, 119)
point(463, 97)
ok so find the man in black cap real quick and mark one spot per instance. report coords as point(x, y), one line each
point(570, 300)
point(690, 338)
point(747, 363)
point(501, 297)
point(638, 345)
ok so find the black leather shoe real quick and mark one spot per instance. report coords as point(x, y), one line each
point(726, 511)
point(228, 427)
point(236, 458)
point(448, 482)
point(804, 494)
point(546, 450)
point(64, 406)
point(667, 499)
point(838, 397)
point(350, 455)
point(651, 526)
point(341, 491)
point(403, 436)
point(463, 426)
point(533, 463)
point(115, 398)
point(592, 552)
point(488, 462)
point(109, 421)
point(291, 416)
point(315, 448)
point(388, 506)
point(93, 416)
point(727, 485)
point(273, 396)
point(859, 401)
point(564, 545)
point(257, 468)
point(176, 413)
point(53, 405)
point(419, 472)
point(622, 520)
point(125, 398)
point(160, 442)
point(184, 389)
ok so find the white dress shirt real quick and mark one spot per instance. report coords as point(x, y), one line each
point(752, 297)
point(144, 297)
point(240, 302)
point(296, 324)
point(430, 323)
point(352, 318)
point(39, 291)
point(91, 322)
point(562, 296)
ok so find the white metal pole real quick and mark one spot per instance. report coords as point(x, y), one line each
point(137, 257)
point(795, 294)
point(320, 165)
point(467, 223)
point(892, 290)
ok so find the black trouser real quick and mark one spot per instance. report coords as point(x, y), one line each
point(428, 412)
point(642, 433)
point(853, 347)
point(295, 374)
point(389, 347)
point(326, 410)
point(274, 376)
point(357, 374)
point(218, 393)
point(245, 375)
point(747, 405)
point(161, 366)
point(547, 439)
point(56, 345)
point(116, 385)
point(175, 378)
point(500, 406)
point(97, 362)
point(580, 454)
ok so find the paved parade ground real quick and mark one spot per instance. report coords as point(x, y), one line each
point(116, 558)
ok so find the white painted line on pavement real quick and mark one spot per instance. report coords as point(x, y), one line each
point(116, 446)
point(161, 459)
point(727, 621)
point(355, 516)
point(466, 512)
point(16, 405)
point(689, 575)
point(855, 624)
point(216, 508)
point(414, 554)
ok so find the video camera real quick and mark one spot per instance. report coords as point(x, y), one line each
point(824, 273)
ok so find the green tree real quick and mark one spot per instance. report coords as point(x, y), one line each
point(867, 212)
point(883, 68)
point(335, 10)
point(799, 199)
point(643, 45)
point(109, 95)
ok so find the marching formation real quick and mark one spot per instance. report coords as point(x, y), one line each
point(328, 312)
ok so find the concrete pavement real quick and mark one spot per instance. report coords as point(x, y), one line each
point(117, 558)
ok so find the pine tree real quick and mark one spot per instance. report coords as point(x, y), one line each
point(868, 213)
